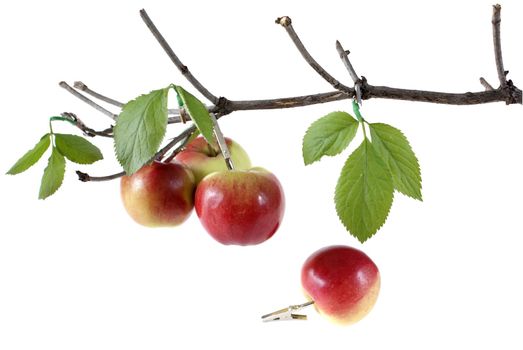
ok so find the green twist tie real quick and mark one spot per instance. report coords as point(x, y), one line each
point(356, 108)
point(64, 119)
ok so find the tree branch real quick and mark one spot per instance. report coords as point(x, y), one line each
point(91, 103)
point(181, 137)
point(82, 87)
point(85, 129)
point(485, 84)
point(507, 91)
point(286, 23)
point(183, 68)
point(84, 177)
point(344, 56)
point(496, 34)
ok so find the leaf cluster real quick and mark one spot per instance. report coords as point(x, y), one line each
point(376, 168)
point(75, 148)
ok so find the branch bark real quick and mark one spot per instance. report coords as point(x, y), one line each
point(84, 177)
point(506, 92)
point(496, 35)
point(85, 129)
point(183, 68)
point(286, 23)
point(90, 102)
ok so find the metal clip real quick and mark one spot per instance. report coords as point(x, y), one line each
point(357, 87)
point(221, 142)
point(287, 313)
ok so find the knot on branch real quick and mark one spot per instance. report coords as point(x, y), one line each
point(512, 93)
point(284, 21)
point(83, 176)
point(364, 88)
point(222, 106)
point(80, 86)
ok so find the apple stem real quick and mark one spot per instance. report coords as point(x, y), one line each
point(287, 313)
point(221, 143)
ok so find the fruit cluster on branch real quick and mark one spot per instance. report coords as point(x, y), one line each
point(387, 148)
point(243, 205)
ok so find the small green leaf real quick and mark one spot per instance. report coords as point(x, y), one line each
point(77, 149)
point(328, 136)
point(395, 149)
point(31, 157)
point(53, 174)
point(198, 112)
point(140, 129)
point(364, 192)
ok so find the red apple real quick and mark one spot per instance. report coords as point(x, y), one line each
point(241, 207)
point(159, 194)
point(343, 282)
point(202, 159)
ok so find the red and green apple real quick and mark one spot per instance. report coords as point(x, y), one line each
point(240, 207)
point(203, 159)
point(343, 282)
point(159, 194)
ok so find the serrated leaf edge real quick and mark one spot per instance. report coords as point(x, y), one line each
point(10, 171)
point(331, 154)
point(84, 139)
point(131, 171)
point(62, 176)
point(364, 239)
point(418, 167)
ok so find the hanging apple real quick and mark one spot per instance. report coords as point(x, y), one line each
point(204, 159)
point(240, 207)
point(159, 194)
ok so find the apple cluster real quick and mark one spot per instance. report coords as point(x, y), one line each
point(243, 206)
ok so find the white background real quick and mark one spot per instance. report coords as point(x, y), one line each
point(77, 273)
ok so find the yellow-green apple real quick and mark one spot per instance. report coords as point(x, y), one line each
point(343, 282)
point(241, 207)
point(203, 159)
point(159, 194)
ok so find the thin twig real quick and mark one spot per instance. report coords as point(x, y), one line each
point(187, 132)
point(84, 177)
point(344, 56)
point(183, 68)
point(85, 129)
point(82, 87)
point(485, 84)
point(178, 149)
point(91, 103)
point(496, 34)
point(286, 23)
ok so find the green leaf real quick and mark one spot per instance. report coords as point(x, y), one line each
point(53, 174)
point(77, 149)
point(364, 192)
point(31, 157)
point(328, 136)
point(395, 149)
point(198, 112)
point(140, 129)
